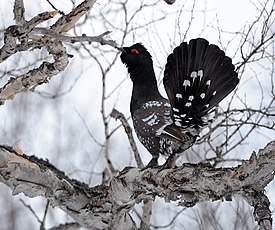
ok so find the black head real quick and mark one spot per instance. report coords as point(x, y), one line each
point(136, 56)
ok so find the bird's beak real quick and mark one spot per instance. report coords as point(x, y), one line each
point(121, 49)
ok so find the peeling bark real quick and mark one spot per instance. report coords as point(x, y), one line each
point(108, 206)
point(35, 77)
point(25, 36)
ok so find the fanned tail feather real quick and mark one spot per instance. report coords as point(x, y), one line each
point(197, 77)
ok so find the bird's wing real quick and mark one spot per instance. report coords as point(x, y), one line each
point(174, 132)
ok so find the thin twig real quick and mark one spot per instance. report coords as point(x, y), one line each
point(42, 226)
point(32, 211)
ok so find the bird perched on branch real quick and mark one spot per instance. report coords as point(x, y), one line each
point(197, 77)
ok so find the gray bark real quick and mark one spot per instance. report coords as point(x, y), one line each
point(108, 205)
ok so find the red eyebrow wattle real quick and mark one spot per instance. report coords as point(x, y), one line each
point(135, 51)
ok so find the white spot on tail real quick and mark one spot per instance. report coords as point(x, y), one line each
point(208, 82)
point(175, 110)
point(207, 105)
point(178, 95)
point(202, 95)
point(188, 104)
point(214, 93)
point(200, 74)
point(191, 98)
point(193, 75)
point(183, 115)
point(186, 83)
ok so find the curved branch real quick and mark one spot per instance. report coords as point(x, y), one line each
point(118, 115)
point(35, 77)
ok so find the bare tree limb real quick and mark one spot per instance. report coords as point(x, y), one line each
point(262, 213)
point(109, 205)
point(66, 22)
point(19, 12)
point(31, 38)
point(146, 215)
point(73, 39)
point(147, 207)
point(118, 115)
point(67, 226)
point(35, 77)
point(15, 32)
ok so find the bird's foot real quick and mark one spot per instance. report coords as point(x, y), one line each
point(170, 162)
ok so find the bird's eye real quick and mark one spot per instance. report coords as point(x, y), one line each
point(134, 51)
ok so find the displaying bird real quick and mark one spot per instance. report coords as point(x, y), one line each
point(197, 77)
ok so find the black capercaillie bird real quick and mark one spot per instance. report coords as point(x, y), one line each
point(197, 77)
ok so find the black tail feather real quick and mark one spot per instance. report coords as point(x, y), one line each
point(197, 77)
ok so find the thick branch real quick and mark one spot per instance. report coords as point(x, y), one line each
point(90, 207)
point(262, 213)
point(66, 22)
point(109, 205)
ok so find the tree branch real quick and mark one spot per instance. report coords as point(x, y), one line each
point(262, 213)
point(109, 205)
point(24, 36)
point(35, 77)
point(66, 22)
point(118, 115)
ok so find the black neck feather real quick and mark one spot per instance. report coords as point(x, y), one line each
point(144, 86)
